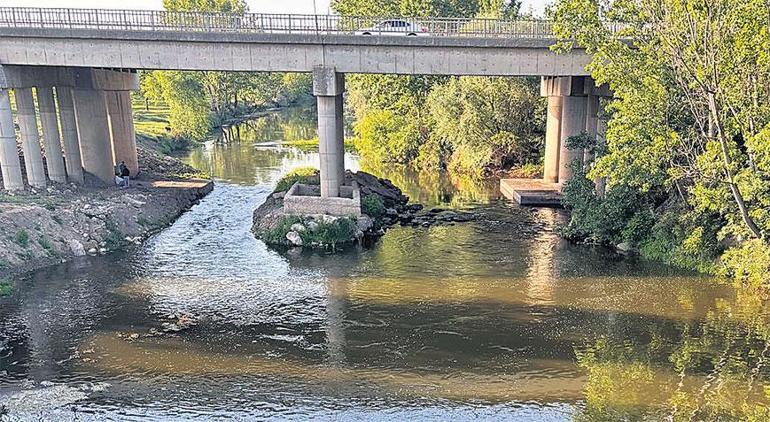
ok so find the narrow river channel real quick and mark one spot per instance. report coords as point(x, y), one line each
point(495, 319)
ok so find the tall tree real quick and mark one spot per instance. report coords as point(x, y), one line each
point(691, 111)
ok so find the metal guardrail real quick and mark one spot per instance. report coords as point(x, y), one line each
point(156, 20)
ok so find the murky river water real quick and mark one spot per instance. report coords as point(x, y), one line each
point(496, 319)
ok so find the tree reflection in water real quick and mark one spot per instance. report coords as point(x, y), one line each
point(710, 369)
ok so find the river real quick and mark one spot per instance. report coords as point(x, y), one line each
point(494, 319)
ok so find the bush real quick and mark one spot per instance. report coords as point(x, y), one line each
point(373, 206)
point(748, 264)
point(305, 175)
point(6, 287)
point(22, 238)
point(342, 230)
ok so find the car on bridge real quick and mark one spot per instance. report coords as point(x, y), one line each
point(395, 27)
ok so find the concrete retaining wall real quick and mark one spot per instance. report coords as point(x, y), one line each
point(306, 200)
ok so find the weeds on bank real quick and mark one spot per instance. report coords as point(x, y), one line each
point(305, 175)
point(326, 234)
point(22, 238)
point(6, 288)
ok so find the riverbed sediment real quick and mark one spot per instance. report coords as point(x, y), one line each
point(65, 221)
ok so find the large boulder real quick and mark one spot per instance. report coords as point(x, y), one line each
point(372, 185)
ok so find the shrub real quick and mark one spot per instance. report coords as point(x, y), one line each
point(305, 175)
point(45, 243)
point(373, 206)
point(748, 264)
point(22, 238)
point(6, 287)
point(342, 230)
point(114, 239)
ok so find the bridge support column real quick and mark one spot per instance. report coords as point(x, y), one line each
point(9, 156)
point(328, 86)
point(573, 123)
point(48, 121)
point(592, 124)
point(94, 135)
point(552, 139)
point(69, 134)
point(30, 138)
point(601, 182)
point(121, 119)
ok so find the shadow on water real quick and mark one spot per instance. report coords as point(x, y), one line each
point(495, 319)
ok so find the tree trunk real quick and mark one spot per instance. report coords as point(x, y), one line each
point(717, 124)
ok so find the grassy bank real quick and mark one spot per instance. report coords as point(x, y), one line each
point(312, 144)
point(153, 130)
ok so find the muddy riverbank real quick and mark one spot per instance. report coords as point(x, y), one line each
point(66, 221)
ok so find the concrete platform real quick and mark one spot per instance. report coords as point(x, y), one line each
point(531, 192)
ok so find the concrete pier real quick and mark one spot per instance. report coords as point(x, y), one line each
point(121, 120)
point(573, 123)
point(94, 135)
point(51, 140)
point(30, 138)
point(9, 156)
point(592, 123)
point(328, 86)
point(552, 140)
point(69, 134)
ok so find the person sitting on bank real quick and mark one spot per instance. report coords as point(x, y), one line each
point(122, 175)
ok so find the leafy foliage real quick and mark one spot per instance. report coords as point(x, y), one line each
point(6, 288)
point(690, 118)
point(373, 206)
point(327, 234)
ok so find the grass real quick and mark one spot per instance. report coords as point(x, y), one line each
point(312, 144)
point(114, 239)
point(342, 230)
point(152, 126)
point(46, 244)
point(306, 175)
point(6, 287)
point(22, 238)
point(152, 121)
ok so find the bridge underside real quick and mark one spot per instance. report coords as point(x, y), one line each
point(86, 120)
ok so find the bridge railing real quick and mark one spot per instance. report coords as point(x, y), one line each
point(156, 20)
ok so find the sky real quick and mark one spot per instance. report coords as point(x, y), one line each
point(256, 6)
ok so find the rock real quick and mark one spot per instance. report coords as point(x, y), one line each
point(294, 238)
point(92, 251)
point(390, 212)
point(415, 207)
point(312, 226)
point(364, 223)
point(447, 215)
point(406, 217)
point(328, 219)
point(76, 247)
point(624, 248)
point(279, 195)
point(103, 251)
point(298, 227)
point(436, 210)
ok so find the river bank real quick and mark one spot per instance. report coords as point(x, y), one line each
point(67, 221)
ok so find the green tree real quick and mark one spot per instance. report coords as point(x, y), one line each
point(480, 123)
point(690, 112)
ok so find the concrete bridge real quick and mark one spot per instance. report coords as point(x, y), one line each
point(88, 54)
